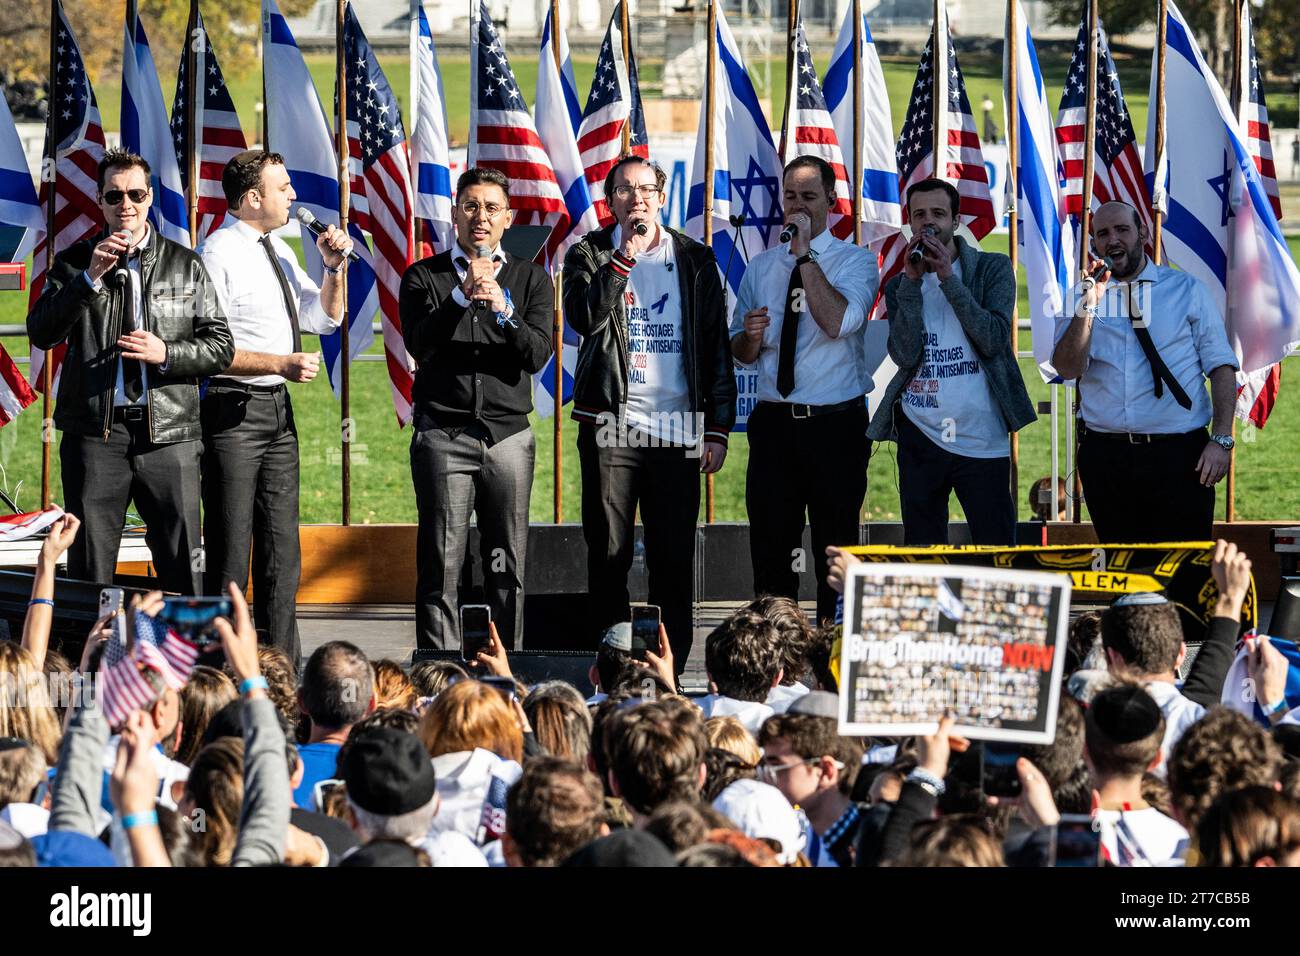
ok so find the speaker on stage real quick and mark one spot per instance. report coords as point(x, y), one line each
point(532, 667)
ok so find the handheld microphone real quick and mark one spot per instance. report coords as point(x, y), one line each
point(318, 229)
point(481, 252)
point(641, 229)
point(789, 232)
point(121, 271)
point(1090, 279)
point(916, 255)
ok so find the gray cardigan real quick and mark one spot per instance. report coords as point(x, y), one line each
point(263, 818)
point(983, 300)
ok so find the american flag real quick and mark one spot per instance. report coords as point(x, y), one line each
point(381, 202)
point(1117, 167)
point(963, 160)
point(133, 677)
point(810, 132)
point(74, 126)
point(600, 134)
point(1258, 393)
point(502, 136)
point(215, 124)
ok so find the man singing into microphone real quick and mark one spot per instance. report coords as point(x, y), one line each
point(478, 324)
point(142, 325)
point(958, 391)
point(654, 396)
point(799, 317)
point(250, 444)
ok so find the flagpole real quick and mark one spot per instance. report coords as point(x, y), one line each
point(266, 107)
point(791, 18)
point(51, 171)
point(191, 112)
point(1238, 92)
point(938, 102)
point(624, 27)
point(1085, 211)
point(711, 54)
point(557, 331)
point(1013, 221)
point(345, 358)
point(857, 124)
point(1157, 223)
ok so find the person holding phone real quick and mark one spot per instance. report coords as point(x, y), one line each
point(250, 442)
point(143, 325)
point(478, 324)
point(958, 392)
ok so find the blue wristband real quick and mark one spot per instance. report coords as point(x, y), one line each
point(34, 601)
point(253, 683)
point(147, 819)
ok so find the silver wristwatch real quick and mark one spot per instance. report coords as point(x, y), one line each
point(1226, 442)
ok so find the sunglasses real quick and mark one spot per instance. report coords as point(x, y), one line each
point(114, 196)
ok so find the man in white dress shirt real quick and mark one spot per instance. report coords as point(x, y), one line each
point(250, 457)
point(799, 319)
point(1141, 343)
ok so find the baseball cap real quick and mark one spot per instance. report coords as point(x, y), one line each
point(387, 771)
point(760, 811)
point(817, 703)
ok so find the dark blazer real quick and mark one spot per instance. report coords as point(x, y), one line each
point(470, 368)
point(984, 300)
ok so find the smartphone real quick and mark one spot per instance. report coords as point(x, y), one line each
point(322, 789)
point(504, 685)
point(1076, 841)
point(645, 630)
point(474, 633)
point(111, 601)
point(193, 617)
point(998, 776)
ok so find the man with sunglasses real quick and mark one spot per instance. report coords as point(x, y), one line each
point(250, 442)
point(478, 324)
point(142, 325)
point(654, 396)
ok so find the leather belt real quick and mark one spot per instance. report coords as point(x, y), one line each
point(1132, 438)
point(130, 413)
point(798, 410)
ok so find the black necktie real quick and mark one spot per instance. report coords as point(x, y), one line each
point(1159, 370)
point(289, 305)
point(132, 370)
point(794, 306)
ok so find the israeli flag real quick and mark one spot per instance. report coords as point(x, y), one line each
point(1219, 224)
point(297, 130)
point(881, 207)
point(746, 169)
point(430, 155)
point(147, 131)
point(1047, 249)
point(19, 207)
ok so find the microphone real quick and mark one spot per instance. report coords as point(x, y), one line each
point(789, 232)
point(641, 228)
point(916, 255)
point(121, 271)
point(1091, 278)
point(481, 252)
point(318, 229)
point(737, 220)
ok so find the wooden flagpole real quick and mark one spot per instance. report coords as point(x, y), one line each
point(1085, 212)
point(191, 129)
point(345, 386)
point(1012, 100)
point(624, 28)
point(791, 19)
point(50, 172)
point(1162, 42)
point(557, 332)
point(711, 55)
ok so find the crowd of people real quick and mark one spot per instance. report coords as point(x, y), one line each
point(354, 762)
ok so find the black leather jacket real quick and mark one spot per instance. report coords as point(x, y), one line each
point(594, 284)
point(180, 307)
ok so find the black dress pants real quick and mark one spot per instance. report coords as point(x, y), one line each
point(100, 478)
point(1146, 493)
point(250, 500)
point(815, 466)
point(618, 473)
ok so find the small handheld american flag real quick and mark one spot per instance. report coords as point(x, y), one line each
point(134, 675)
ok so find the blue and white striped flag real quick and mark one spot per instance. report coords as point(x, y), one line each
point(430, 155)
point(146, 130)
point(19, 207)
point(1047, 250)
point(881, 207)
point(1219, 222)
point(298, 130)
point(746, 169)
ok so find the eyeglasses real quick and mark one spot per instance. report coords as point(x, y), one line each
point(469, 209)
point(769, 771)
point(114, 196)
point(645, 189)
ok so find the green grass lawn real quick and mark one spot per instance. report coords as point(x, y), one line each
point(1267, 462)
